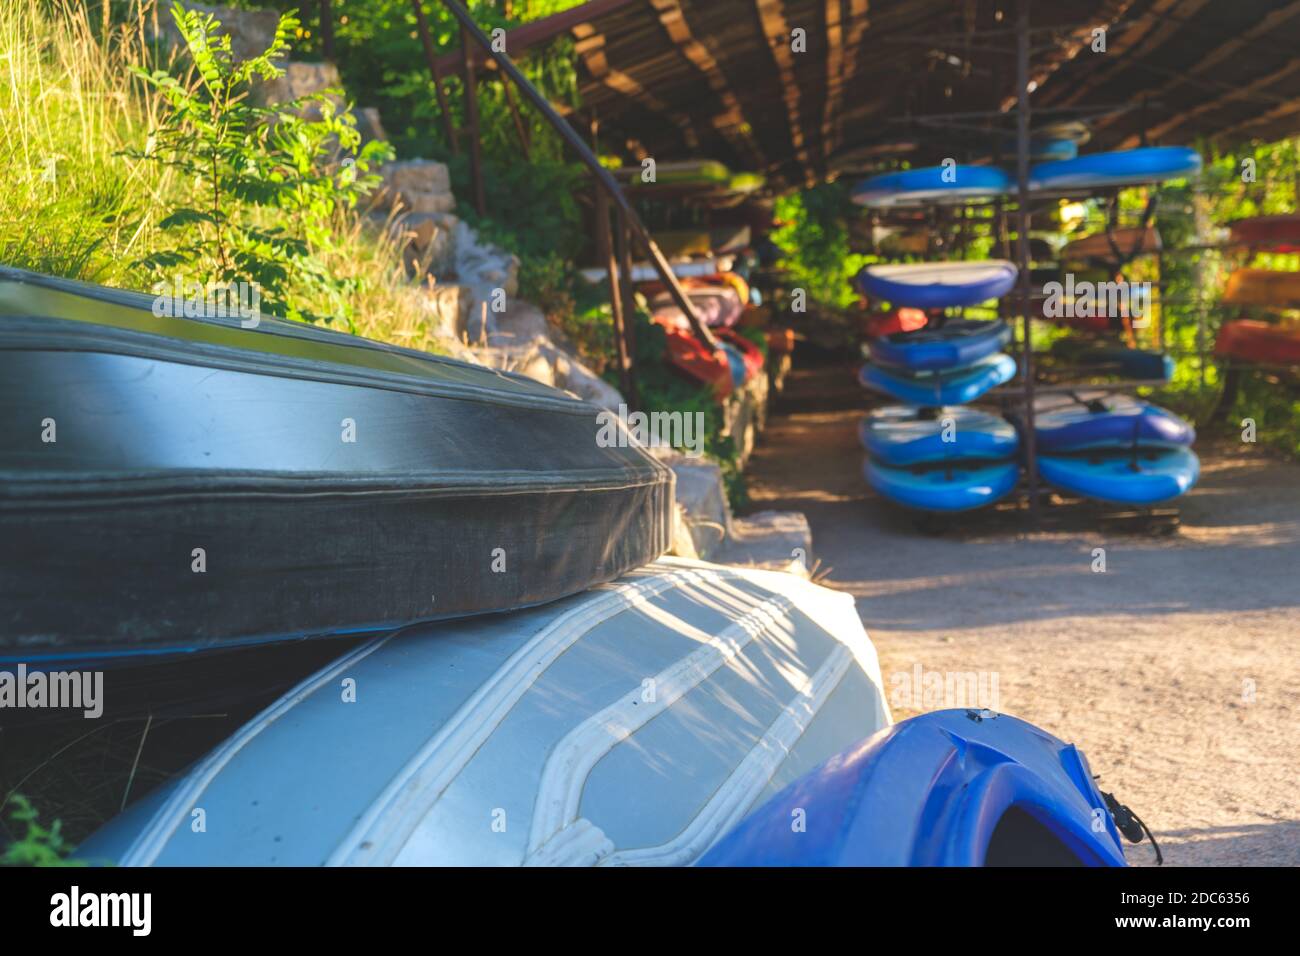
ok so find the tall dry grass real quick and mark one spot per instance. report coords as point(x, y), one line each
point(72, 205)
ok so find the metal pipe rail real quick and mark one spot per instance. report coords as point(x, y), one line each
point(603, 177)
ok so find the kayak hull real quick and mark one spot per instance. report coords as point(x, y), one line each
point(959, 486)
point(1160, 475)
point(1259, 342)
point(939, 285)
point(1281, 233)
point(935, 184)
point(958, 387)
point(956, 344)
point(899, 435)
point(949, 788)
point(1263, 288)
point(1122, 423)
point(1131, 167)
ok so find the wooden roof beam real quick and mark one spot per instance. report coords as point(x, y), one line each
point(590, 46)
point(1155, 30)
point(731, 123)
point(1288, 113)
point(1218, 55)
point(841, 67)
point(771, 13)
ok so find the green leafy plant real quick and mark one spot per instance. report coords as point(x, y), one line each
point(815, 240)
point(38, 846)
point(268, 181)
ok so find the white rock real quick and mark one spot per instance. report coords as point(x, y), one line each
point(417, 176)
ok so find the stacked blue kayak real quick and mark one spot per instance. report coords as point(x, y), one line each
point(930, 453)
point(1063, 172)
point(1114, 448)
point(939, 459)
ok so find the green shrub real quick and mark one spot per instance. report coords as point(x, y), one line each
point(269, 182)
point(38, 845)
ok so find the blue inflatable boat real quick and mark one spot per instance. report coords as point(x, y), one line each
point(957, 387)
point(1062, 424)
point(949, 788)
point(1130, 167)
point(1141, 477)
point(903, 435)
point(946, 487)
point(934, 184)
point(955, 344)
point(938, 285)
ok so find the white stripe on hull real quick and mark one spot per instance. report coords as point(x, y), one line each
point(382, 832)
point(738, 793)
point(154, 837)
point(566, 770)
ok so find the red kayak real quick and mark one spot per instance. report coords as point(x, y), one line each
point(1259, 342)
point(697, 361)
point(879, 324)
point(1281, 233)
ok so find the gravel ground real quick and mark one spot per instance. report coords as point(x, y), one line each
point(1175, 670)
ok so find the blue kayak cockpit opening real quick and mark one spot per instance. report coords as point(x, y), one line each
point(1020, 839)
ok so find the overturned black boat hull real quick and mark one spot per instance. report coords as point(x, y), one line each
point(172, 484)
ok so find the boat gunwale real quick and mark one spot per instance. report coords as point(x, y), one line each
point(74, 335)
point(530, 392)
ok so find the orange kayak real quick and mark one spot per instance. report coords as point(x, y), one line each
point(1263, 287)
point(1259, 342)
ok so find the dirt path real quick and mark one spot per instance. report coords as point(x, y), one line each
point(1177, 670)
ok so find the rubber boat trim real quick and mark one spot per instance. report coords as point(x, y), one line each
point(153, 839)
point(744, 786)
point(272, 336)
point(384, 829)
point(32, 333)
point(57, 489)
point(559, 794)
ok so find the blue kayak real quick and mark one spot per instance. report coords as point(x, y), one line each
point(956, 344)
point(1113, 421)
point(903, 435)
point(1130, 167)
point(1146, 478)
point(1132, 363)
point(959, 486)
point(939, 285)
point(941, 184)
point(957, 387)
point(949, 788)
